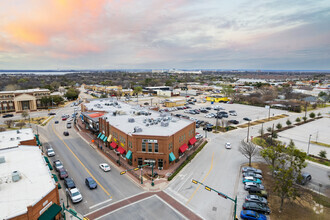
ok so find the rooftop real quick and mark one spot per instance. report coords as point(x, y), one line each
point(133, 119)
point(25, 91)
point(35, 182)
point(13, 138)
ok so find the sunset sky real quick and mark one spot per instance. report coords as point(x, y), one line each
point(155, 34)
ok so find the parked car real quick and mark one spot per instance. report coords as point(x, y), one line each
point(68, 125)
point(58, 165)
point(90, 182)
point(247, 185)
point(198, 136)
point(51, 113)
point(66, 133)
point(253, 174)
point(306, 177)
point(253, 190)
point(50, 152)
point(255, 198)
point(74, 195)
point(63, 173)
point(69, 183)
point(64, 119)
point(247, 119)
point(252, 215)
point(235, 122)
point(56, 122)
point(228, 145)
point(251, 169)
point(8, 115)
point(256, 207)
point(233, 113)
point(105, 167)
point(251, 179)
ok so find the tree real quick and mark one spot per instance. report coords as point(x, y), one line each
point(279, 126)
point(319, 114)
point(288, 122)
point(137, 90)
point(323, 154)
point(269, 129)
point(248, 149)
point(25, 114)
point(227, 90)
point(271, 154)
point(20, 124)
point(288, 171)
point(72, 94)
point(312, 115)
point(298, 120)
point(9, 123)
point(2, 129)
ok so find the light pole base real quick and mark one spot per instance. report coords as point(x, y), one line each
point(152, 183)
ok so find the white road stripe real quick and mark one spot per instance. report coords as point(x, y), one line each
point(100, 203)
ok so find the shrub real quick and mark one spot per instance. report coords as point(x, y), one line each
point(312, 115)
point(298, 120)
point(323, 154)
point(279, 126)
point(288, 122)
point(319, 114)
point(304, 118)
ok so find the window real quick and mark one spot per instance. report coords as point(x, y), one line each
point(156, 147)
point(184, 137)
point(150, 147)
point(160, 163)
point(144, 147)
point(139, 161)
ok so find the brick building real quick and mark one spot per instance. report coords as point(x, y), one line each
point(140, 135)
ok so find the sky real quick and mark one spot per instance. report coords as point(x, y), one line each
point(157, 34)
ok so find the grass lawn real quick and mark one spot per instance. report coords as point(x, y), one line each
point(301, 208)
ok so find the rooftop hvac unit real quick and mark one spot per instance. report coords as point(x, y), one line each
point(15, 176)
point(147, 124)
point(2, 159)
point(164, 124)
point(137, 129)
point(131, 120)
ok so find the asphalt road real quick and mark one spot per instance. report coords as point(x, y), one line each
point(81, 161)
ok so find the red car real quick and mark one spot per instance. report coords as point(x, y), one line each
point(64, 119)
point(63, 173)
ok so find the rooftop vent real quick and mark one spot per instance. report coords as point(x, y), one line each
point(137, 129)
point(164, 124)
point(12, 139)
point(15, 176)
point(131, 120)
point(18, 131)
point(2, 159)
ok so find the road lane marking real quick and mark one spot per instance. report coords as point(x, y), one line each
point(101, 203)
point(81, 163)
point(201, 181)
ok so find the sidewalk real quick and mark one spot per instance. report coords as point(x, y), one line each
point(160, 182)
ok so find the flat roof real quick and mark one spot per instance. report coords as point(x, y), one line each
point(26, 91)
point(35, 183)
point(13, 138)
point(150, 124)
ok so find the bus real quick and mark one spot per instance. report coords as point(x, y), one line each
point(217, 98)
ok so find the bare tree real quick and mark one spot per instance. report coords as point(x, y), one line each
point(9, 123)
point(248, 149)
point(25, 114)
point(2, 129)
point(20, 124)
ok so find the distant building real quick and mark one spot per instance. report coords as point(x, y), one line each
point(21, 100)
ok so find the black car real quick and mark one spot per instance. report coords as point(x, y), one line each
point(66, 133)
point(255, 198)
point(235, 122)
point(208, 108)
point(204, 111)
point(247, 119)
point(68, 182)
point(51, 113)
point(56, 122)
point(253, 190)
point(197, 125)
point(256, 207)
point(8, 115)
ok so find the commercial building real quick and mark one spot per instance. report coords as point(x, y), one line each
point(21, 100)
point(140, 135)
point(14, 138)
point(174, 102)
point(27, 188)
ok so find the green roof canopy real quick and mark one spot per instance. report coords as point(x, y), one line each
point(51, 212)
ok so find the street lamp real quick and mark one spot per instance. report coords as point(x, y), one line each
point(248, 132)
point(309, 142)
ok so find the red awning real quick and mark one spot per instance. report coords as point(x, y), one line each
point(192, 141)
point(114, 145)
point(121, 150)
point(183, 148)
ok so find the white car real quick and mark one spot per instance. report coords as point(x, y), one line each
point(74, 194)
point(198, 136)
point(228, 145)
point(105, 167)
point(233, 113)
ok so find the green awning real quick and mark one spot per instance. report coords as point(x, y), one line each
point(51, 212)
point(129, 155)
point(59, 186)
point(46, 159)
point(99, 135)
point(50, 166)
point(105, 138)
point(172, 157)
point(102, 136)
point(55, 177)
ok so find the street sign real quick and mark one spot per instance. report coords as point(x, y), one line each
point(267, 106)
point(222, 195)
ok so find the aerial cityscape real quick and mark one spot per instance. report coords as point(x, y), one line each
point(122, 109)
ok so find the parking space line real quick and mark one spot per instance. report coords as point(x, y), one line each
point(81, 163)
point(201, 181)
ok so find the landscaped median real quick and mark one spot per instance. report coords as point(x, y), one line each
point(260, 121)
point(189, 158)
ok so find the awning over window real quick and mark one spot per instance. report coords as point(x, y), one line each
point(129, 155)
point(192, 141)
point(172, 157)
point(50, 166)
point(105, 138)
point(46, 159)
point(121, 150)
point(102, 136)
point(183, 148)
point(109, 138)
point(114, 145)
point(51, 212)
point(99, 135)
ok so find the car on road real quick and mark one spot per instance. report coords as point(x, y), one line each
point(252, 215)
point(50, 152)
point(228, 145)
point(251, 169)
point(63, 173)
point(58, 165)
point(66, 133)
point(90, 182)
point(51, 113)
point(74, 195)
point(253, 174)
point(247, 185)
point(305, 178)
point(253, 190)
point(258, 207)
point(56, 122)
point(64, 119)
point(247, 119)
point(69, 183)
point(235, 122)
point(8, 115)
point(251, 179)
point(68, 125)
point(255, 198)
point(105, 167)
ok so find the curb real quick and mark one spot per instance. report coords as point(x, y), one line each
point(317, 164)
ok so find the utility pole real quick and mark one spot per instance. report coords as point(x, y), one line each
point(309, 142)
point(248, 131)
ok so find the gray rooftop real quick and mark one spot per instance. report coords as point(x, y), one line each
point(133, 119)
point(26, 91)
